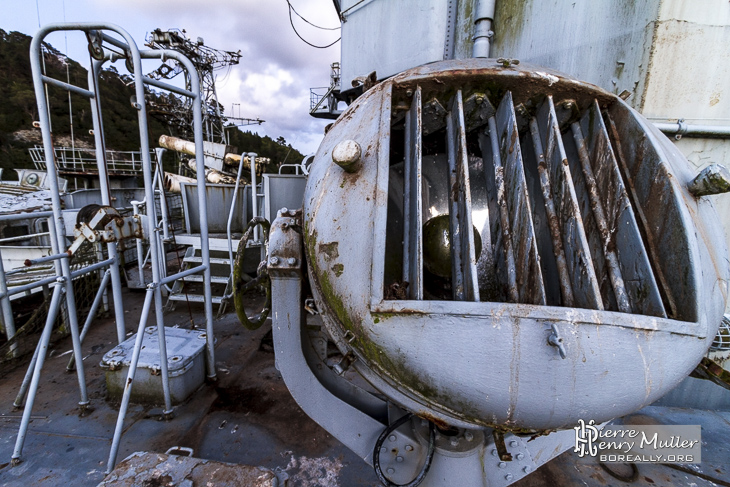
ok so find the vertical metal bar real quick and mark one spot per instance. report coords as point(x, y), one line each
point(20, 398)
point(463, 255)
point(100, 147)
point(140, 248)
point(614, 271)
point(232, 211)
point(503, 221)
point(517, 206)
point(149, 187)
point(130, 380)
point(92, 312)
point(254, 194)
point(640, 286)
point(412, 211)
point(7, 309)
point(649, 240)
point(38, 85)
point(161, 184)
point(41, 357)
point(566, 288)
point(569, 224)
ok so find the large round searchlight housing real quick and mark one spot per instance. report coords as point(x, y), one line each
point(511, 247)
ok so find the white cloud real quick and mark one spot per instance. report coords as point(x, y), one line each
point(276, 71)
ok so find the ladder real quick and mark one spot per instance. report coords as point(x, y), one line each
point(190, 288)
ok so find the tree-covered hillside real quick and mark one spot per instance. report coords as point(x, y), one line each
point(18, 110)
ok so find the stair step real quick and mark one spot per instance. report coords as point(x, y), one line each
point(195, 298)
point(213, 279)
point(213, 260)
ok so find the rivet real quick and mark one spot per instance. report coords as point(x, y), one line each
point(383, 450)
point(454, 442)
point(468, 436)
point(502, 465)
point(274, 261)
point(520, 456)
point(513, 444)
point(346, 154)
point(409, 448)
point(392, 438)
point(390, 471)
point(409, 93)
point(399, 459)
point(495, 452)
point(526, 469)
point(284, 210)
point(508, 477)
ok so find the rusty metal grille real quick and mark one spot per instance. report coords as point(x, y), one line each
point(533, 206)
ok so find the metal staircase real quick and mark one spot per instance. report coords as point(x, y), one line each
point(190, 288)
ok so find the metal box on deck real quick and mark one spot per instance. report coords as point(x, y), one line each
point(185, 365)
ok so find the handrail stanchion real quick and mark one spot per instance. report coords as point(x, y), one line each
point(101, 164)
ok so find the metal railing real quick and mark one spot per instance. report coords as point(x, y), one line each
point(99, 45)
point(83, 161)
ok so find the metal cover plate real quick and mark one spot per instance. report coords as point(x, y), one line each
point(182, 348)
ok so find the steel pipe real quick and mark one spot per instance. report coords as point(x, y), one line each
point(483, 18)
point(130, 380)
point(692, 130)
point(42, 349)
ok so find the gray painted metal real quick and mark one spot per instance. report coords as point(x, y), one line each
point(338, 406)
point(37, 366)
point(219, 198)
point(521, 232)
point(623, 231)
point(56, 229)
point(504, 253)
point(412, 199)
point(465, 286)
point(603, 230)
point(282, 191)
point(307, 390)
point(579, 266)
point(411, 358)
point(186, 365)
point(363, 52)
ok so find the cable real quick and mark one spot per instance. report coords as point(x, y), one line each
point(313, 25)
point(429, 454)
point(291, 21)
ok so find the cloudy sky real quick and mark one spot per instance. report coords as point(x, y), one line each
point(276, 71)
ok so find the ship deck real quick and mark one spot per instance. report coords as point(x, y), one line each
point(248, 417)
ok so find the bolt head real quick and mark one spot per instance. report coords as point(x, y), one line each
point(409, 448)
point(274, 261)
point(392, 438)
point(454, 442)
point(291, 261)
point(346, 154)
point(468, 436)
point(409, 93)
point(284, 211)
